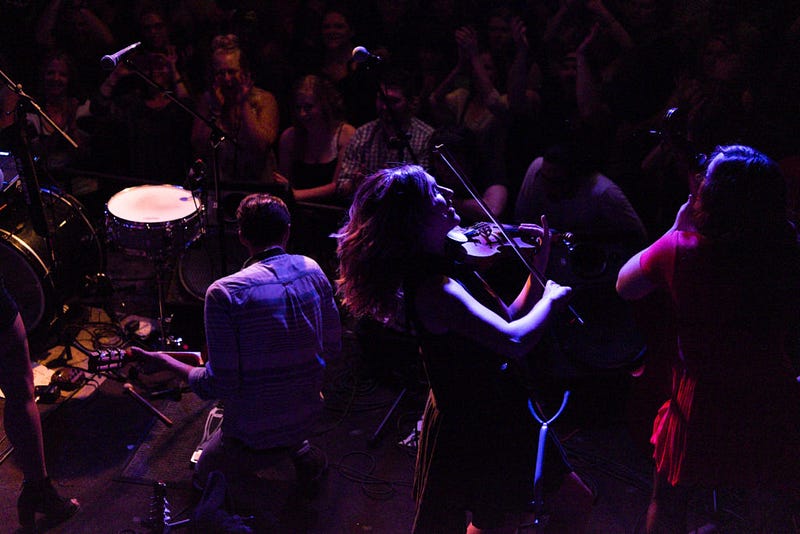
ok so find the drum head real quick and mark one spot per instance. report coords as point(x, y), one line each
point(153, 204)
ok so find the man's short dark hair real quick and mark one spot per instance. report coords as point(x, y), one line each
point(398, 78)
point(263, 219)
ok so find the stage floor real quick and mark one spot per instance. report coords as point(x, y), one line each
point(106, 449)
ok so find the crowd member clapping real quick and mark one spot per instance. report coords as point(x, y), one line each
point(247, 114)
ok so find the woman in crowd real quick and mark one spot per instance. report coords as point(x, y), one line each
point(310, 150)
point(336, 40)
point(477, 449)
point(729, 264)
point(60, 101)
point(155, 130)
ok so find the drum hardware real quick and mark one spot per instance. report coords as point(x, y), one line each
point(36, 251)
point(44, 273)
point(166, 340)
point(154, 221)
point(198, 267)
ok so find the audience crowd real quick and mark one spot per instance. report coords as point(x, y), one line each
point(641, 89)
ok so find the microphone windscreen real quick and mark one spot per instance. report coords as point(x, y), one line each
point(360, 54)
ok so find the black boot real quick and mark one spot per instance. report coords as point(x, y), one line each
point(42, 498)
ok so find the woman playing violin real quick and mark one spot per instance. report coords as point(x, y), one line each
point(477, 449)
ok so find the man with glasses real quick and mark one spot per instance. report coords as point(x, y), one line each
point(247, 114)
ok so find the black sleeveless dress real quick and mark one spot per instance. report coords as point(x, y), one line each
point(478, 444)
point(309, 175)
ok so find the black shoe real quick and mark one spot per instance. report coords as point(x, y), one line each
point(42, 498)
point(311, 466)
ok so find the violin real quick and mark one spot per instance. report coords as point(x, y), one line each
point(511, 243)
point(484, 242)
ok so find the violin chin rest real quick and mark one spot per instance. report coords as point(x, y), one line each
point(457, 235)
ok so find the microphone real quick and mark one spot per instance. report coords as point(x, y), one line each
point(362, 55)
point(196, 175)
point(111, 61)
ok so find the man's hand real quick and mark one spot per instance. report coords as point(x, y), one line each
point(217, 100)
point(152, 362)
point(245, 87)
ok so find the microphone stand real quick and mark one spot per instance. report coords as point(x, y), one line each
point(26, 167)
point(447, 158)
point(217, 136)
point(24, 157)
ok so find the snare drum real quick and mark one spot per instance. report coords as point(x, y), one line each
point(154, 220)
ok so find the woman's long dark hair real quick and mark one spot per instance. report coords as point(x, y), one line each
point(741, 209)
point(742, 197)
point(379, 246)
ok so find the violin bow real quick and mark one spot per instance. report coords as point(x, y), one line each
point(447, 158)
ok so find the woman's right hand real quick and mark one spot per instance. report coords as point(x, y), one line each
point(558, 295)
point(467, 41)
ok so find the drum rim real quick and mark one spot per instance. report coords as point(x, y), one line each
point(197, 205)
point(43, 280)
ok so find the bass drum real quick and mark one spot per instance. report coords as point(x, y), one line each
point(39, 277)
point(201, 264)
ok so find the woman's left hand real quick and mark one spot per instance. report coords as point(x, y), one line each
point(543, 255)
point(684, 220)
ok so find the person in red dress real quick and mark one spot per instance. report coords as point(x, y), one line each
point(729, 264)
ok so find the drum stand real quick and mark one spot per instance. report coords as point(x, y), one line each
point(162, 267)
point(537, 505)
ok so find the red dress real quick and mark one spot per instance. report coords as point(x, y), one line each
point(734, 414)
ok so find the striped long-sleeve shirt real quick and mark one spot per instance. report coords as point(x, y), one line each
point(269, 328)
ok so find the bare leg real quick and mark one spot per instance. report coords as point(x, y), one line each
point(24, 428)
point(667, 511)
point(21, 418)
point(570, 506)
point(435, 519)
